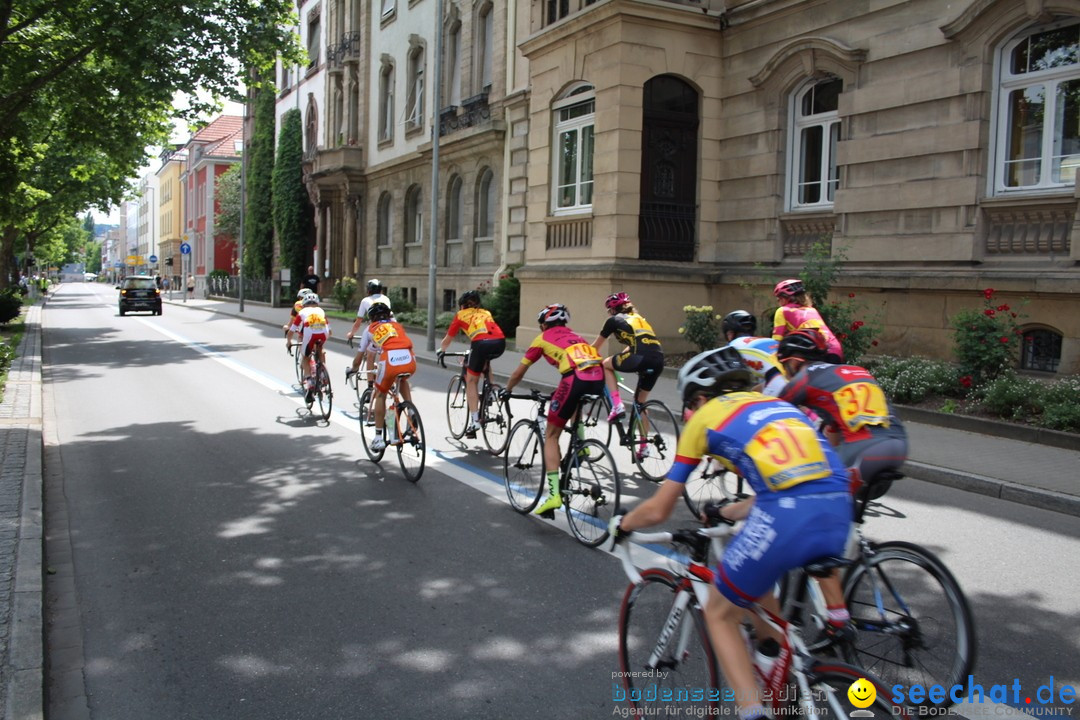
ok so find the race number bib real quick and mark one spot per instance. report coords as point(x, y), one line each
point(861, 404)
point(398, 357)
point(788, 452)
point(582, 356)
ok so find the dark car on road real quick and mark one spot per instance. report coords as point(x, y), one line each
point(139, 293)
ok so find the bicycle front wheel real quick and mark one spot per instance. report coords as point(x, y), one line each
point(591, 490)
point(710, 483)
point(494, 420)
point(324, 392)
point(829, 685)
point(457, 407)
point(654, 435)
point(914, 625)
point(594, 420)
point(367, 424)
point(523, 466)
point(298, 361)
point(664, 646)
point(412, 448)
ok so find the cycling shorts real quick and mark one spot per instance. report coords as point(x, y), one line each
point(782, 533)
point(886, 449)
point(567, 397)
point(313, 340)
point(392, 363)
point(646, 365)
point(484, 351)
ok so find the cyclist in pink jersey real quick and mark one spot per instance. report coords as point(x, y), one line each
point(796, 312)
point(580, 366)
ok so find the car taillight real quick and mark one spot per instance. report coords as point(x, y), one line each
point(156, 291)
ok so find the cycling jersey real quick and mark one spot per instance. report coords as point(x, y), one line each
point(633, 331)
point(477, 323)
point(312, 321)
point(793, 316)
point(370, 300)
point(394, 352)
point(567, 351)
point(758, 354)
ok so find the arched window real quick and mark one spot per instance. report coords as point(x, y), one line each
point(415, 103)
point(572, 151)
point(1041, 349)
point(485, 205)
point(453, 64)
point(386, 101)
point(485, 36)
point(384, 231)
point(455, 212)
point(1038, 109)
point(414, 227)
point(813, 132)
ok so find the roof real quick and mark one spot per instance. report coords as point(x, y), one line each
point(220, 137)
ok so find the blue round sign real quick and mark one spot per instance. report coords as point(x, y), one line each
point(153, 258)
point(185, 249)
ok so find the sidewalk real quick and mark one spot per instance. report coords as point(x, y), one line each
point(1007, 464)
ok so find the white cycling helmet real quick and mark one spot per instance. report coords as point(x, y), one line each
point(310, 299)
point(304, 292)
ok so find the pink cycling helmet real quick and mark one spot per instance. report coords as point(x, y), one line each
point(616, 300)
point(788, 288)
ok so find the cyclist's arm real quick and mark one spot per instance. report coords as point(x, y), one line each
point(654, 510)
point(515, 377)
point(355, 326)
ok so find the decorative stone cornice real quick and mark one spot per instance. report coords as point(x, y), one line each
point(808, 49)
point(1036, 10)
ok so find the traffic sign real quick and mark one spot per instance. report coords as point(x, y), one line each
point(153, 258)
point(185, 249)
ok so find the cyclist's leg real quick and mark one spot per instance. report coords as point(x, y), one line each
point(384, 378)
point(723, 618)
point(611, 382)
point(559, 411)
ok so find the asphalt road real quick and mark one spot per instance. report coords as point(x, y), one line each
point(233, 558)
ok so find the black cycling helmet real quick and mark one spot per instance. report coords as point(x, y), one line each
point(469, 298)
point(808, 344)
point(739, 322)
point(379, 311)
point(374, 286)
point(714, 372)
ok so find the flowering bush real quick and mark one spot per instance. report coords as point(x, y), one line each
point(504, 302)
point(986, 338)
point(344, 291)
point(702, 327)
point(847, 317)
point(913, 379)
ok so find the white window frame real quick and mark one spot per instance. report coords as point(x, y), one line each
point(386, 103)
point(485, 205)
point(485, 38)
point(578, 96)
point(828, 172)
point(384, 222)
point(1007, 82)
point(388, 7)
point(453, 57)
point(414, 216)
point(415, 118)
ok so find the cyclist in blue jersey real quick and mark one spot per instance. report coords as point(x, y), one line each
point(758, 353)
point(801, 511)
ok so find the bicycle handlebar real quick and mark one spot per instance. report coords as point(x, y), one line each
point(622, 550)
point(534, 395)
point(457, 353)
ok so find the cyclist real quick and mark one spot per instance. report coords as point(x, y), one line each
point(796, 312)
point(374, 295)
point(390, 351)
point(311, 322)
point(297, 306)
point(857, 421)
point(758, 353)
point(487, 342)
point(643, 354)
point(579, 364)
point(801, 511)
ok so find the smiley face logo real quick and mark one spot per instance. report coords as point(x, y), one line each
point(862, 693)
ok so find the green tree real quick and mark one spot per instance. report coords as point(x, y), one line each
point(86, 86)
point(227, 220)
point(258, 216)
point(292, 207)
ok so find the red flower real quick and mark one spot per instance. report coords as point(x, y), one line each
point(874, 343)
point(1004, 339)
point(989, 312)
point(851, 295)
point(1003, 308)
point(1013, 314)
point(966, 381)
point(988, 293)
point(842, 336)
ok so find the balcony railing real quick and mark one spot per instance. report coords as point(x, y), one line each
point(474, 111)
point(347, 49)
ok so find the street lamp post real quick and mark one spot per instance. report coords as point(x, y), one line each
point(433, 255)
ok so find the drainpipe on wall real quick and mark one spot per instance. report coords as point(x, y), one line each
point(511, 68)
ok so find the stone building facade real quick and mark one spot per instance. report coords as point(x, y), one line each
point(690, 154)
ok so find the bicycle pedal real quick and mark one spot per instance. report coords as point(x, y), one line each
point(547, 515)
point(470, 434)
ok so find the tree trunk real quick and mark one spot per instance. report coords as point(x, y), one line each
point(9, 268)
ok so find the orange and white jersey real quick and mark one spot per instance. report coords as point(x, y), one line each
point(310, 319)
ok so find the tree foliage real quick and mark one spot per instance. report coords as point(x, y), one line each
point(227, 192)
point(86, 86)
point(258, 220)
point(292, 207)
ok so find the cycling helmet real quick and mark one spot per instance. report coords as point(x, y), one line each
point(616, 300)
point(739, 322)
point(788, 288)
point(470, 298)
point(808, 344)
point(554, 314)
point(310, 299)
point(374, 286)
point(379, 311)
point(304, 292)
point(714, 372)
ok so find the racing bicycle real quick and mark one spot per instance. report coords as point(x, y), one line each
point(494, 421)
point(404, 428)
point(324, 392)
point(651, 433)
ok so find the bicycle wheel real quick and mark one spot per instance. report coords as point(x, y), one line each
point(457, 407)
point(412, 448)
point(663, 651)
point(367, 432)
point(590, 491)
point(523, 466)
point(324, 392)
point(709, 483)
point(829, 685)
point(494, 420)
point(594, 421)
point(298, 361)
point(913, 622)
point(654, 435)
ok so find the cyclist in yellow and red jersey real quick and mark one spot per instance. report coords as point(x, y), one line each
point(390, 351)
point(801, 511)
point(643, 354)
point(311, 322)
point(579, 364)
point(797, 312)
point(487, 342)
point(297, 306)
